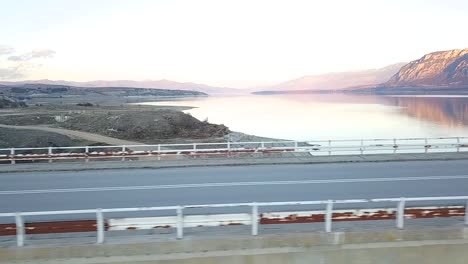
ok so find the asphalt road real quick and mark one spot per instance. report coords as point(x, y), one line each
point(43, 191)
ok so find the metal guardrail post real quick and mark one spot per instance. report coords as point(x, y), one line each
point(400, 217)
point(254, 219)
point(329, 148)
point(123, 152)
point(100, 226)
point(362, 146)
point(295, 145)
point(86, 153)
point(426, 146)
point(159, 151)
point(458, 144)
point(50, 152)
point(466, 213)
point(329, 216)
point(394, 146)
point(19, 230)
point(12, 154)
point(180, 223)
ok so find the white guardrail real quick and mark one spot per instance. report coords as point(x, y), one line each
point(320, 147)
point(253, 218)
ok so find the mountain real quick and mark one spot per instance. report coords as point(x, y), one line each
point(159, 84)
point(337, 80)
point(437, 69)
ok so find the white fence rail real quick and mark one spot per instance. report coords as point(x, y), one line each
point(253, 218)
point(321, 147)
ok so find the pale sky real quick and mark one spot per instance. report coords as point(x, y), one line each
point(238, 43)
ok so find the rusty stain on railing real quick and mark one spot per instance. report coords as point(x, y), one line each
point(51, 227)
point(360, 215)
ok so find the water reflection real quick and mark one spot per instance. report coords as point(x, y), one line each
point(451, 112)
point(303, 117)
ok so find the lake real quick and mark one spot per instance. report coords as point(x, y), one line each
point(334, 116)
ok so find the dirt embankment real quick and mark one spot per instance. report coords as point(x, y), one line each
point(145, 126)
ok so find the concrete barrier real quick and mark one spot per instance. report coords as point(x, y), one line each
point(418, 246)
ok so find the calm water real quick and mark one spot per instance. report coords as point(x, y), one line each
point(314, 117)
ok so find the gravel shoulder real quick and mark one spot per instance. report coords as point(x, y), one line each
point(224, 161)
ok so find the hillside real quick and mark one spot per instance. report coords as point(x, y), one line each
point(62, 94)
point(149, 84)
point(437, 69)
point(30, 89)
point(442, 72)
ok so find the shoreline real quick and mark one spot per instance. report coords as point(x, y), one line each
point(236, 136)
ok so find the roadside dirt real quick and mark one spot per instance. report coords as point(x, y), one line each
point(20, 138)
point(76, 134)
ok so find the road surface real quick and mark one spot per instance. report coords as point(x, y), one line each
point(39, 191)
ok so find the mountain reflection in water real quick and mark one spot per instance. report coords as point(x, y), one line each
point(447, 111)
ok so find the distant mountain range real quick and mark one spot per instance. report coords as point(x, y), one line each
point(437, 72)
point(337, 80)
point(151, 84)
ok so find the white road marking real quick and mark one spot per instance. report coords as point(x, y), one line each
point(230, 184)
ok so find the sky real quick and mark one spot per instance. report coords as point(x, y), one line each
point(238, 43)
